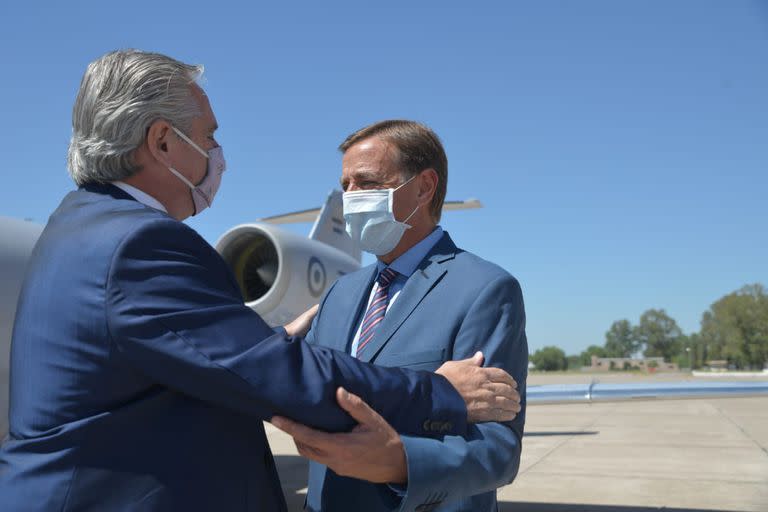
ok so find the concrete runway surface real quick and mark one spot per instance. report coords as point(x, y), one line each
point(676, 455)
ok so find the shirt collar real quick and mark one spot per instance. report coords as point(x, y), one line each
point(407, 263)
point(140, 195)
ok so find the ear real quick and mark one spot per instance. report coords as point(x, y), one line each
point(427, 186)
point(159, 141)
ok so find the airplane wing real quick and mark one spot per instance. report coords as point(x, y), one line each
point(311, 214)
point(469, 204)
point(293, 217)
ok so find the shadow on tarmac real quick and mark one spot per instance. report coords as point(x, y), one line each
point(567, 507)
point(293, 475)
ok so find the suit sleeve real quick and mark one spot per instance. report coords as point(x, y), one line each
point(175, 314)
point(489, 456)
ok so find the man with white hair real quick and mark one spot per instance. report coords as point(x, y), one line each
point(139, 380)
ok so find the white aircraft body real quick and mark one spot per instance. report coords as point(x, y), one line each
point(18, 238)
point(282, 274)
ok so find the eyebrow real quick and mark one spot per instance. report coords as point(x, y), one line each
point(362, 175)
point(367, 176)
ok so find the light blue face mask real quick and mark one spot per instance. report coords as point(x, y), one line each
point(371, 221)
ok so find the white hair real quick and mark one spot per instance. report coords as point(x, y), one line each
point(120, 96)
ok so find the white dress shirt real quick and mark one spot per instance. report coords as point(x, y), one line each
point(140, 195)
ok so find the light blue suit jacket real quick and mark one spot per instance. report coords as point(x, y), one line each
point(453, 305)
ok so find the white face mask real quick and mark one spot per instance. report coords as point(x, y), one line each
point(205, 191)
point(371, 221)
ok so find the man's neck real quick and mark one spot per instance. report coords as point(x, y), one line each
point(410, 238)
point(140, 195)
point(163, 193)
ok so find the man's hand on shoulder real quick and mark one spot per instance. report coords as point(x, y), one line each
point(489, 393)
point(372, 451)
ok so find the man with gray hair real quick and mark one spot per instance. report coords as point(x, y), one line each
point(139, 379)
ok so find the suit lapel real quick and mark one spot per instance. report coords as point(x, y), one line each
point(353, 299)
point(429, 273)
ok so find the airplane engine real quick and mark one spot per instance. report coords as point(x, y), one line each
point(279, 273)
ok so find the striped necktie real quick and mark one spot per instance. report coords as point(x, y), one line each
point(376, 311)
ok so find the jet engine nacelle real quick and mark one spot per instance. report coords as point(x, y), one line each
point(281, 274)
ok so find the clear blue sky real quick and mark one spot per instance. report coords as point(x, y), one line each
point(620, 148)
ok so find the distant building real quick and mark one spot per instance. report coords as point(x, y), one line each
point(649, 364)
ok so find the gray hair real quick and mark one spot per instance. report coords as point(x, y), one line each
point(120, 96)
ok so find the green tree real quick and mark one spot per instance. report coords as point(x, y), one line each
point(736, 328)
point(693, 352)
point(659, 333)
point(621, 340)
point(592, 350)
point(549, 359)
point(697, 357)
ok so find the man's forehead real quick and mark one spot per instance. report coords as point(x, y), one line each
point(371, 146)
point(373, 153)
point(207, 117)
point(198, 91)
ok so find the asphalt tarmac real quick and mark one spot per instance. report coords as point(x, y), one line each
point(672, 455)
point(675, 455)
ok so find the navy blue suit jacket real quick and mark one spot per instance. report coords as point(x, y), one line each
point(139, 380)
point(452, 306)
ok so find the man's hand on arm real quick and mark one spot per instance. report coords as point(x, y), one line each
point(372, 451)
point(489, 393)
point(301, 324)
